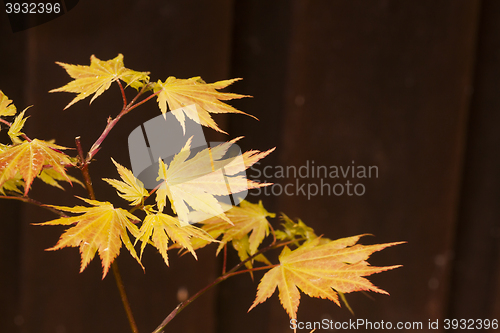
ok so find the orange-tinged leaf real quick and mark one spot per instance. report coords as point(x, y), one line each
point(162, 228)
point(195, 182)
point(321, 270)
point(131, 188)
point(97, 77)
point(6, 108)
point(248, 218)
point(29, 158)
point(101, 228)
point(178, 93)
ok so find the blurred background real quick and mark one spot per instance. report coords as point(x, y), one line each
point(408, 86)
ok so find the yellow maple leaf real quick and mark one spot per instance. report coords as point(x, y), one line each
point(178, 93)
point(321, 270)
point(131, 188)
point(6, 108)
point(296, 231)
point(162, 228)
point(13, 185)
point(196, 182)
point(51, 177)
point(97, 77)
point(16, 127)
point(101, 228)
point(28, 159)
point(246, 219)
point(242, 246)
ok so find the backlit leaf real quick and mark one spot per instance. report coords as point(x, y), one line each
point(321, 270)
point(6, 108)
point(177, 93)
point(52, 177)
point(163, 228)
point(297, 231)
point(101, 228)
point(16, 127)
point(195, 182)
point(29, 158)
point(131, 188)
point(248, 219)
point(98, 77)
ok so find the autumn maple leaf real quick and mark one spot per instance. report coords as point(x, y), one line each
point(162, 228)
point(131, 188)
point(100, 228)
point(179, 93)
point(97, 77)
point(196, 181)
point(51, 177)
point(246, 219)
point(321, 270)
point(6, 108)
point(29, 158)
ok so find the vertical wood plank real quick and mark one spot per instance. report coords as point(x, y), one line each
point(384, 84)
point(476, 274)
point(12, 79)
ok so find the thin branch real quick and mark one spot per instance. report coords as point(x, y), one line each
point(225, 260)
point(84, 167)
point(123, 295)
point(184, 304)
point(112, 122)
point(234, 271)
point(34, 202)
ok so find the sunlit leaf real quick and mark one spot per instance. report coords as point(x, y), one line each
point(178, 93)
point(6, 108)
point(196, 183)
point(52, 177)
point(101, 228)
point(321, 270)
point(16, 127)
point(29, 158)
point(131, 188)
point(97, 77)
point(163, 228)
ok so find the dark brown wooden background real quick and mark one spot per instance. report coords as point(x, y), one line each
point(409, 86)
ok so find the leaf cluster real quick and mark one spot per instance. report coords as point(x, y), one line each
point(193, 216)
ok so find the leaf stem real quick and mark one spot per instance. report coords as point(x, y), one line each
point(84, 168)
point(112, 122)
point(123, 94)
